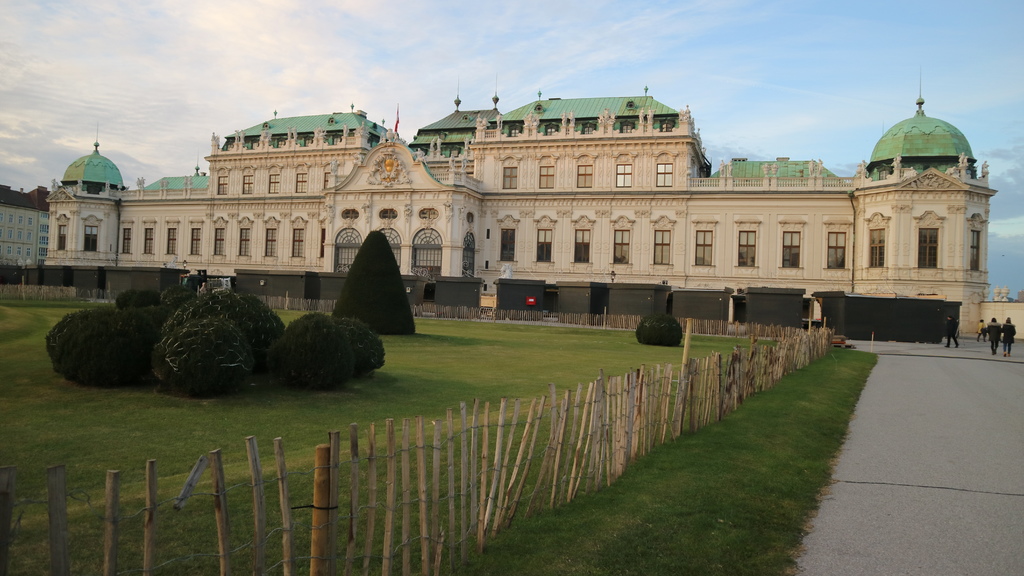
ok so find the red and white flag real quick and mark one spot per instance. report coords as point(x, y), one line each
point(396, 118)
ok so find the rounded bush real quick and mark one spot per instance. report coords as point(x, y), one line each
point(203, 357)
point(175, 296)
point(137, 299)
point(367, 347)
point(260, 325)
point(103, 347)
point(659, 330)
point(313, 353)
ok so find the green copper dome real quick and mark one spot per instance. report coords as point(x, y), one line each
point(921, 136)
point(93, 169)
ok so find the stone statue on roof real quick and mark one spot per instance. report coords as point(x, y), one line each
point(962, 163)
point(684, 115)
point(862, 169)
point(215, 140)
point(572, 120)
point(140, 182)
point(499, 122)
point(984, 169)
point(897, 164)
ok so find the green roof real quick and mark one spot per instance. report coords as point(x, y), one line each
point(787, 169)
point(461, 120)
point(334, 122)
point(178, 183)
point(94, 168)
point(552, 108)
point(920, 136)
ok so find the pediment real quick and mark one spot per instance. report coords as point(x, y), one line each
point(389, 166)
point(932, 179)
point(60, 195)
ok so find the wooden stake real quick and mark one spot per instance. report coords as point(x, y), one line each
point(220, 506)
point(353, 499)
point(112, 525)
point(57, 494)
point(259, 512)
point(287, 536)
point(149, 524)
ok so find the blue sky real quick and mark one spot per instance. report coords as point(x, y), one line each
point(763, 79)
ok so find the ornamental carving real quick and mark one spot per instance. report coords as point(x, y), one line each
point(664, 222)
point(929, 220)
point(508, 221)
point(545, 222)
point(583, 222)
point(878, 221)
point(622, 222)
point(388, 170)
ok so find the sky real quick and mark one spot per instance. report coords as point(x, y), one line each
point(763, 78)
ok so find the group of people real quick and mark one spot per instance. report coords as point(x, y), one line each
point(995, 333)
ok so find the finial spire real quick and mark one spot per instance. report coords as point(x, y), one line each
point(645, 90)
point(538, 94)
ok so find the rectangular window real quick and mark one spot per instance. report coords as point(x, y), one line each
point(544, 245)
point(664, 175)
point(62, 237)
point(327, 180)
point(28, 235)
point(301, 184)
point(747, 253)
point(323, 240)
point(44, 228)
point(244, 240)
point(126, 241)
point(172, 240)
point(92, 234)
point(621, 250)
point(270, 246)
point(624, 176)
point(705, 244)
point(790, 249)
point(877, 243)
point(584, 176)
point(581, 247)
point(148, 239)
point(44, 240)
point(274, 184)
point(197, 241)
point(29, 220)
point(218, 241)
point(510, 177)
point(662, 246)
point(836, 250)
point(975, 256)
point(928, 248)
point(248, 184)
point(298, 242)
point(222, 185)
point(508, 245)
point(547, 177)
point(21, 219)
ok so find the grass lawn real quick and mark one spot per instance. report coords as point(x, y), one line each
point(737, 492)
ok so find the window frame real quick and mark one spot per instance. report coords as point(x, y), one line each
point(928, 248)
point(148, 240)
point(546, 177)
point(664, 173)
point(126, 240)
point(746, 249)
point(245, 241)
point(248, 183)
point(835, 257)
point(791, 249)
point(91, 238)
point(301, 182)
point(662, 247)
point(974, 254)
point(222, 185)
point(298, 242)
point(704, 248)
point(195, 245)
point(274, 183)
point(623, 175)
point(544, 243)
point(585, 176)
point(621, 246)
point(509, 177)
point(876, 248)
point(581, 246)
point(270, 243)
point(172, 241)
point(507, 245)
point(219, 235)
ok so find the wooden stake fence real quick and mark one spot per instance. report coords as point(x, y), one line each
point(471, 476)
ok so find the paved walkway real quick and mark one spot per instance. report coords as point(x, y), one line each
point(930, 480)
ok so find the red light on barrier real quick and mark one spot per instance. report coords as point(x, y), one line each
point(531, 300)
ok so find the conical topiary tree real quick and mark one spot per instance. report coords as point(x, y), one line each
point(374, 292)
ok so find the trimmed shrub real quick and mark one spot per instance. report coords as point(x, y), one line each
point(367, 347)
point(260, 325)
point(203, 357)
point(137, 299)
point(158, 315)
point(174, 296)
point(659, 330)
point(103, 347)
point(374, 292)
point(313, 353)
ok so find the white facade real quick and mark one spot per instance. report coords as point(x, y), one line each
point(621, 197)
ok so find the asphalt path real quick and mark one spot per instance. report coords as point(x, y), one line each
point(930, 480)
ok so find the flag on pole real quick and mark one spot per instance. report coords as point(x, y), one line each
point(396, 118)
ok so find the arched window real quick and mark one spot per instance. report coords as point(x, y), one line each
point(396, 243)
point(346, 244)
point(426, 253)
point(468, 255)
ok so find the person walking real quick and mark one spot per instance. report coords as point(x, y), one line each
point(982, 333)
point(1008, 332)
point(993, 335)
point(952, 325)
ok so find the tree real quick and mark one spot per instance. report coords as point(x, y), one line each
point(374, 291)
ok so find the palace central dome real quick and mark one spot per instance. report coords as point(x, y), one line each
point(93, 169)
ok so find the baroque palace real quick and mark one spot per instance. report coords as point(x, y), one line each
point(590, 189)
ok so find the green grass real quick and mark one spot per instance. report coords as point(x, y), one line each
point(737, 492)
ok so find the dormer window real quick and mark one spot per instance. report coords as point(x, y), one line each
point(630, 105)
point(551, 129)
point(538, 107)
point(514, 131)
point(626, 127)
point(588, 128)
point(330, 121)
point(667, 125)
point(266, 125)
